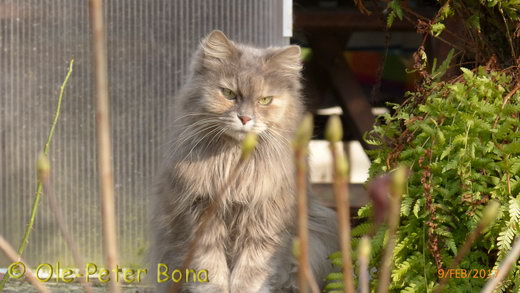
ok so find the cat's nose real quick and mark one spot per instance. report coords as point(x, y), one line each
point(244, 119)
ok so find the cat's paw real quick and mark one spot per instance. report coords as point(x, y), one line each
point(247, 288)
point(205, 288)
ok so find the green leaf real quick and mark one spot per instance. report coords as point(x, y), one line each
point(437, 28)
point(512, 148)
point(334, 285)
point(450, 243)
point(362, 229)
point(439, 73)
point(417, 207)
point(334, 276)
point(390, 19)
point(474, 22)
point(397, 9)
point(468, 74)
point(445, 11)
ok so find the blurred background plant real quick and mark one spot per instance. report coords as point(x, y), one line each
point(458, 133)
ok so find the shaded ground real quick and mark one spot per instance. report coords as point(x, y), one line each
point(19, 286)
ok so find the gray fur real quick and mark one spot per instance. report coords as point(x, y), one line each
point(247, 248)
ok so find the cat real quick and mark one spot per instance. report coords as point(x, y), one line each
point(234, 89)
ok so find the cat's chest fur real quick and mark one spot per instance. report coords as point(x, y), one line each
point(205, 172)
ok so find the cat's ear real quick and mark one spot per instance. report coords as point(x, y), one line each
point(216, 47)
point(286, 58)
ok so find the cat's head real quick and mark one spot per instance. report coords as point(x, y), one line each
point(245, 88)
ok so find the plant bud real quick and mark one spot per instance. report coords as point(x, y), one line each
point(398, 181)
point(43, 166)
point(296, 247)
point(490, 213)
point(440, 137)
point(304, 132)
point(365, 247)
point(334, 129)
point(248, 144)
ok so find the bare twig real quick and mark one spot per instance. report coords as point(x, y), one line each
point(364, 258)
point(14, 257)
point(312, 281)
point(310, 277)
point(504, 268)
point(105, 168)
point(39, 188)
point(43, 167)
point(398, 182)
point(488, 216)
point(334, 134)
point(302, 221)
point(301, 142)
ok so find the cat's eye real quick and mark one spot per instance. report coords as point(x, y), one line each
point(229, 94)
point(265, 100)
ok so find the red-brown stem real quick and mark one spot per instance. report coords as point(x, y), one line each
point(303, 237)
point(65, 232)
point(14, 257)
point(343, 213)
point(105, 168)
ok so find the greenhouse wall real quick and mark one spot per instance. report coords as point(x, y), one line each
point(150, 43)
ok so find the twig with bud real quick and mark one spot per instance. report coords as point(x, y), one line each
point(301, 142)
point(364, 259)
point(397, 188)
point(488, 216)
point(313, 286)
point(43, 168)
point(334, 134)
point(39, 187)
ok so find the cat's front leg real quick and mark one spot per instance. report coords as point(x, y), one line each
point(252, 269)
point(210, 256)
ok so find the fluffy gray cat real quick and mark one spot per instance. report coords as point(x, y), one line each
point(233, 89)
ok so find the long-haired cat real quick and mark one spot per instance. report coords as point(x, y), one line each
point(234, 89)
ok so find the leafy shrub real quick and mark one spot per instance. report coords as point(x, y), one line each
point(462, 141)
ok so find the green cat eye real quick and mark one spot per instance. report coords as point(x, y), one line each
point(265, 100)
point(229, 94)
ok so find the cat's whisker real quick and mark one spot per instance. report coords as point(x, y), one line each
point(174, 138)
point(198, 142)
point(279, 137)
point(189, 126)
point(215, 138)
point(200, 128)
point(192, 114)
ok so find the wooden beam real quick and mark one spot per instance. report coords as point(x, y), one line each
point(351, 20)
point(328, 54)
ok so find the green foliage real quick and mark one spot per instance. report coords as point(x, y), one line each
point(462, 140)
point(395, 10)
point(492, 26)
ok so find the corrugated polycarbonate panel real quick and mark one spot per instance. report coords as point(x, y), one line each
point(150, 43)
